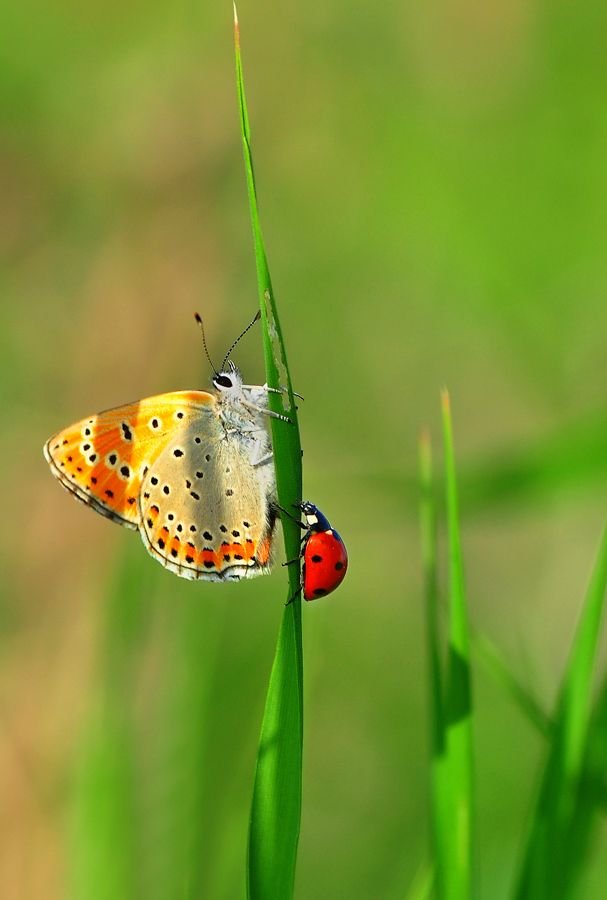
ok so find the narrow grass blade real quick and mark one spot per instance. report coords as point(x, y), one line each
point(276, 807)
point(550, 832)
point(591, 798)
point(490, 657)
point(421, 886)
point(103, 863)
point(458, 771)
point(438, 786)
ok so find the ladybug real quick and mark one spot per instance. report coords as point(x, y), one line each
point(325, 559)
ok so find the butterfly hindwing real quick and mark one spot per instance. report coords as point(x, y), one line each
point(205, 506)
point(103, 459)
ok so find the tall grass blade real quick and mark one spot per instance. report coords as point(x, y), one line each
point(103, 863)
point(550, 831)
point(438, 786)
point(457, 783)
point(276, 807)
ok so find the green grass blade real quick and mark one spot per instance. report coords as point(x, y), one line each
point(457, 876)
point(103, 863)
point(421, 886)
point(591, 796)
point(549, 837)
point(438, 786)
point(276, 807)
point(494, 663)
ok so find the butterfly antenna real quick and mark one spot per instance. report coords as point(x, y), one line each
point(250, 325)
point(204, 343)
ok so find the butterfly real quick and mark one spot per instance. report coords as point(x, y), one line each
point(193, 471)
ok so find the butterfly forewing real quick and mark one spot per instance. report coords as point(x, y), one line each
point(103, 459)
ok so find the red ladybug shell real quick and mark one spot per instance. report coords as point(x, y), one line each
point(325, 562)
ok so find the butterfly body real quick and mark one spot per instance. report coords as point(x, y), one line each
point(191, 470)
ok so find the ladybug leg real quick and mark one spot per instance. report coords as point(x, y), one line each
point(289, 516)
point(293, 597)
point(290, 562)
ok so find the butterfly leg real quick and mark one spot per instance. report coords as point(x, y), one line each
point(267, 412)
point(266, 389)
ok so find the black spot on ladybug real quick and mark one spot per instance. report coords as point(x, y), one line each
point(177, 452)
point(126, 431)
point(207, 535)
point(316, 558)
point(320, 592)
point(161, 543)
point(339, 566)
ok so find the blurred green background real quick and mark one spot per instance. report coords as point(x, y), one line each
point(433, 191)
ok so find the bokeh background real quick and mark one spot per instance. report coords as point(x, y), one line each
point(433, 190)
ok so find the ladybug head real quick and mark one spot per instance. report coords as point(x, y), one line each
point(313, 516)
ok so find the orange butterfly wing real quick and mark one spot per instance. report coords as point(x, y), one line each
point(102, 460)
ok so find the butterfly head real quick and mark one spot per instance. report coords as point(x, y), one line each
point(228, 383)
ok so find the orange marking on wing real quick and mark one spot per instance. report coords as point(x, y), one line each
point(208, 556)
point(263, 550)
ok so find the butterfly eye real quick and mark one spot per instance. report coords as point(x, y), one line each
point(223, 381)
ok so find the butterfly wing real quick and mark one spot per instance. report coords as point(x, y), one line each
point(206, 507)
point(102, 460)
